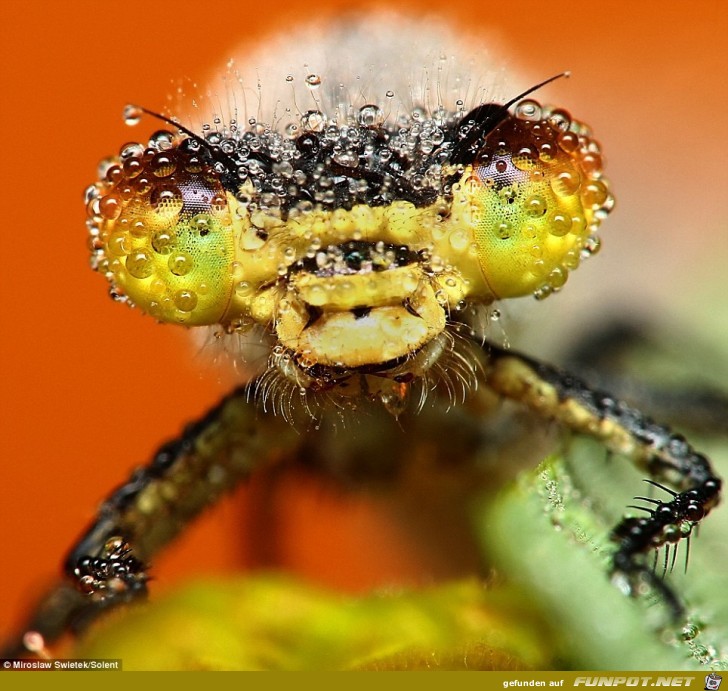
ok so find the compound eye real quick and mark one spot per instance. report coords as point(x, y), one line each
point(536, 196)
point(162, 231)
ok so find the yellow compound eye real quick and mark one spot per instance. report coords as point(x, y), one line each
point(535, 195)
point(162, 231)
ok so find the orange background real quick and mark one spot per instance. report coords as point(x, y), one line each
point(90, 388)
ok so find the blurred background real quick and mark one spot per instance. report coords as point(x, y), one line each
point(90, 389)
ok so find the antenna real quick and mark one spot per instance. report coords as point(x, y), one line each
point(486, 117)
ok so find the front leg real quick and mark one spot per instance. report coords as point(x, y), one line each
point(665, 456)
point(108, 566)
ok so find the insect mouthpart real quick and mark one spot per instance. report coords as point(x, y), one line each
point(358, 305)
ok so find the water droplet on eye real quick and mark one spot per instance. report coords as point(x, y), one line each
point(503, 230)
point(591, 246)
point(110, 206)
point(571, 260)
point(546, 151)
point(161, 140)
point(501, 166)
point(558, 277)
point(569, 142)
point(592, 163)
point(595, 194)
point(560, 119)
point(166, 200)
point(559, 224)
point(118, 244)
point(163, 165)
point(566, 183)
point(535, 206)
point(543, 292)
point(132, 167)
point(142, 185)
point(701, 653)
point(132, 115)
point(130, 151)
point(202, 224)
point(313, 81)
point(180, 263)
point(370, 116)
point(528, 109)
point(139, 264)
point(163, 242)
point(345, 158)
point(185, 300)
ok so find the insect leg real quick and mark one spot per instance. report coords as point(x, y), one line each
point(108, 565)
point(665, 456)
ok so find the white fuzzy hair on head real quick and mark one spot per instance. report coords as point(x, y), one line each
point(395, 62)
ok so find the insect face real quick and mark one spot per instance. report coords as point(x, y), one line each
point(352, 244)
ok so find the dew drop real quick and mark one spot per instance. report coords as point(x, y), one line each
point(132, 115)
point(180, 263)
point(569, 142)
point(370, 116)
point(504, 230)
point(110, 206)
point(161, 140)
point(591, 246)
point(557, 277)
point(313, 121)
point(132, 167)
point(185, 300)
point(163, 242)
point(535, 206)
point(592, 163)
point(244, 289)
point(689, 632)
point(566, 183)
point(139, 264)
point(163, 165)
point(560, 119)
point(594, 194)
point(313, 81)
point(528, 109)
point(559, 224)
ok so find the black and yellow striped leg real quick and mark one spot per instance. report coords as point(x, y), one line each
point(108, 565)
point(666, 457)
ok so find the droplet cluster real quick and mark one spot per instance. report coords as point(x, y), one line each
point(335, 162)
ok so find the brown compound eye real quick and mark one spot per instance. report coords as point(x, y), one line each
point(162, 230)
